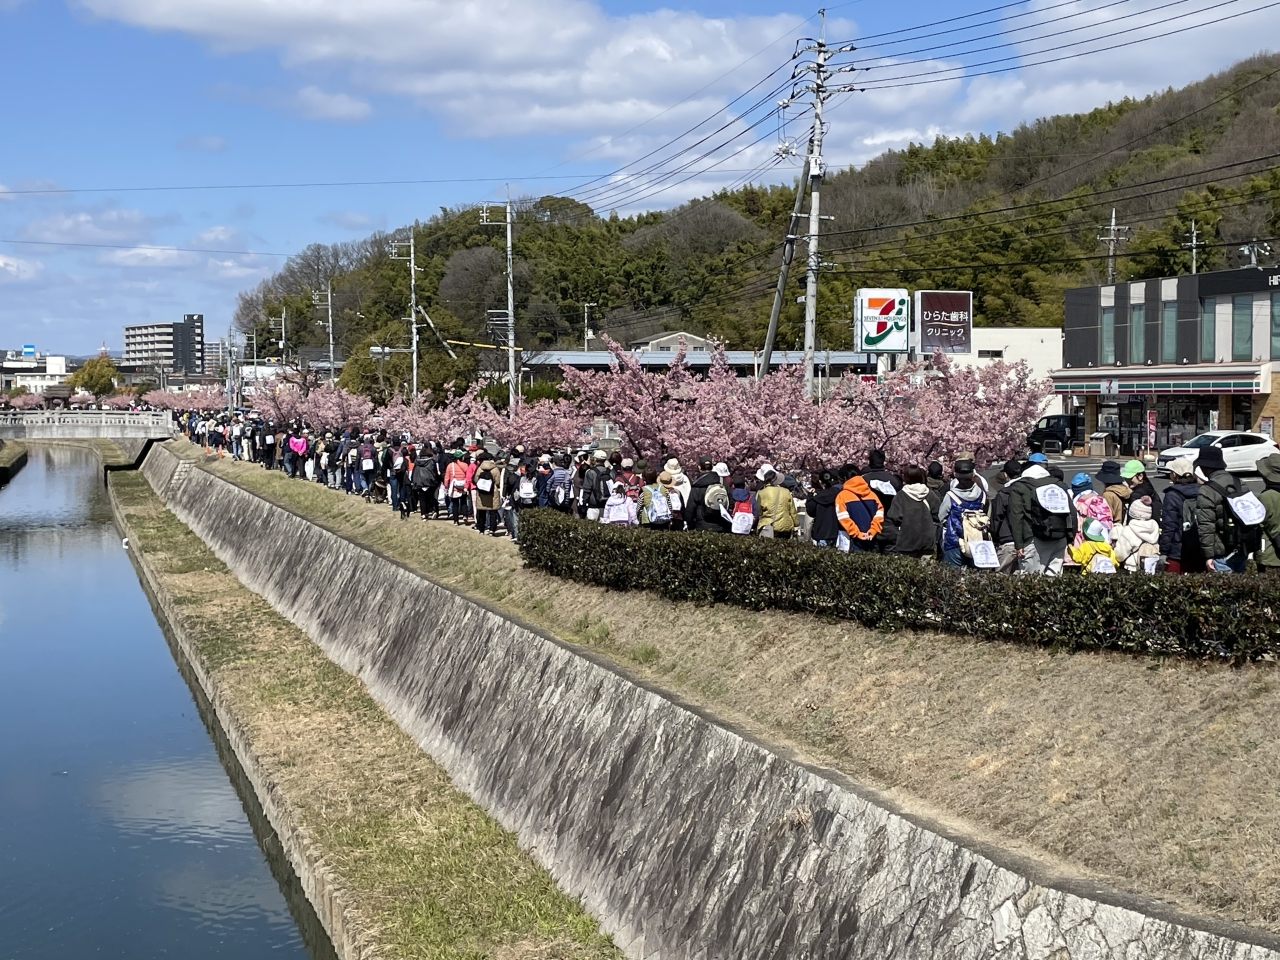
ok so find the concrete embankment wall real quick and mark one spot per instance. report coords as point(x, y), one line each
point(685, 838)
point(9, 469)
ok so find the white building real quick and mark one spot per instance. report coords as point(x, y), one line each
point(33, 372)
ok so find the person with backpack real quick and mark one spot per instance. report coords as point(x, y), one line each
point(631, 481)
point(910, 523)
point(656, 511)
point(884, 485)
point(858, 511)
point(489, 495)
point(742, 506)
point(775, 505)
point(706, 496)
point(597, 483)
point(395, 467)
point(998, 525)
point(1089, 504)
point(559, 487)
point(425, 481)
point(1094, 554)
point(1115, 489)
point(1268, 559)
point(1227, 518)
point(1179, 529)
point(455, 486)
point(962, 513)
point(679, 479)
point(1043, 519)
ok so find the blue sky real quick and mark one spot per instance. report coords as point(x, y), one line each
point(152, 93)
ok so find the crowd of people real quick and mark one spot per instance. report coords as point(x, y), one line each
point(1027, 519)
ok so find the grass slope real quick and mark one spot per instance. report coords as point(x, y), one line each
point(1157, 775)
point(432, 876)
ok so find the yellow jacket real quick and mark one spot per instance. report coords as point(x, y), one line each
point(777, 508)
point(1088, 549)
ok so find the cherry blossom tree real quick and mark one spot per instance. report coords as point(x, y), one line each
point(333, 408)
point(25, 401)
point(276, 400)
point(121, 401)
point(542, 425)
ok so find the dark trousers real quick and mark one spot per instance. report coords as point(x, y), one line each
point(487, 521)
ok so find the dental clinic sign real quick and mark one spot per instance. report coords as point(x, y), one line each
point(945, 321)
point(882, 321)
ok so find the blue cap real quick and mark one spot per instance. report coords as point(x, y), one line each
point(1082, 480)
point(1037, 458)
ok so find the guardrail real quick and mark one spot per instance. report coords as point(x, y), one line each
point(85, 424)
point(97, 418)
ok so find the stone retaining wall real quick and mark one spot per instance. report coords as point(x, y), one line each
point(686, 839)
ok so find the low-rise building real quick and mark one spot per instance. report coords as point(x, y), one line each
point(33, 371)
point(1155, 362)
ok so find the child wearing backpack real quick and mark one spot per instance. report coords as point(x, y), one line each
point(619, 510)
point(657, 512)
point(1095, 554)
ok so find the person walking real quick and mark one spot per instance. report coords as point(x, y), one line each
point(1134, 474)
point(1043, 519)
point(1179, 530)
point(910, 523)
point(999, 527)
point(679, 479)
point(1222, 536)
point(489, 494)
point(1115, 489)
point(821, 508)
point(858, 511)
point(964, 503)
point(777, 508)
point(425, 481)
point(455, 485)
point(1269, 558)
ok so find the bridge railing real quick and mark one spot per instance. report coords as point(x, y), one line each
point(157, 419)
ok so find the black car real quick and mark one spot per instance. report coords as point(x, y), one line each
point(1056, 432)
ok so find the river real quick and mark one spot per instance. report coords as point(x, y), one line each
point(121, 832)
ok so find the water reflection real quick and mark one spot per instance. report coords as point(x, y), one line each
point(120, 833)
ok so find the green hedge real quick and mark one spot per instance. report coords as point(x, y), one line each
point(1219, 616)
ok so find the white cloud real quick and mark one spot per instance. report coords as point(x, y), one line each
point(4, 193)
point(14, 268)
point(351, 220)
point(314, 104)
point(220, 236)
point(488, 66)
point(107, 224)
point(148, 256)
point(205, 144)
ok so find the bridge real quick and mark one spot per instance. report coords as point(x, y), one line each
point(85, 425)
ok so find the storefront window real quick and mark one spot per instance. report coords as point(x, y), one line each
point(1137, 333)
point(1242, 327)
point(1208, 320)
point(1169, 333)
point(1108, 336)
point(1275, 326)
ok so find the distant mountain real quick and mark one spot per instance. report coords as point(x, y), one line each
point(1015, 218)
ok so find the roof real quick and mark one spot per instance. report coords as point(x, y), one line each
point(694, 358)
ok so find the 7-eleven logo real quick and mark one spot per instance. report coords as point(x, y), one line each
point(882, 316)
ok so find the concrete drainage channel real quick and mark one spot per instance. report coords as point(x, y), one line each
point(684, 837)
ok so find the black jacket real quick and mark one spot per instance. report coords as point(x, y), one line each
point(1001, 530)
point(883, 477)
point(696, 514)
point(821, 505)
point(912, 525)
point(1175, 543)
point(1217, 539)
point(1144, 489)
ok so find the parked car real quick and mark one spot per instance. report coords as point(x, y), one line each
point(1240, 450)
point(1062, 429)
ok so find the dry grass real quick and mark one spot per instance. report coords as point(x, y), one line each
point(429, 872)
point(1157, 775)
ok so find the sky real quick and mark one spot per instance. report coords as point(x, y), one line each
point(273, 117)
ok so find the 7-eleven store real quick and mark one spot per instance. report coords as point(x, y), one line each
point(1163, 360)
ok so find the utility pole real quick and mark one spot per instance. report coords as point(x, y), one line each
point(327, 303)
point(513, 383)
point(1115, 235)
point(586, 325)
point(788, 251)
point(815, 195)
point(397, 248)
point(1193, 245)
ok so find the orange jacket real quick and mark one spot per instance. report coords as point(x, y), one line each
point(859, 511)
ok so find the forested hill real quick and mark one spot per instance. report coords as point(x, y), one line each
point(1014, 218)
